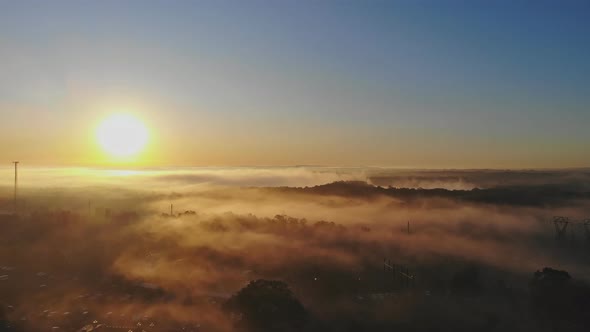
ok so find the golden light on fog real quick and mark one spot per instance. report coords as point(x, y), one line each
point(122, 135)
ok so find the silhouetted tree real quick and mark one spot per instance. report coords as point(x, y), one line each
point(467, 281)
point(267, 305)
point(558, 300)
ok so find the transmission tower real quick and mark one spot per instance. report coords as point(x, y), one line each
point(560, 226)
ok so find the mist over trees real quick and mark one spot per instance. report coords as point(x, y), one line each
point(224, 257)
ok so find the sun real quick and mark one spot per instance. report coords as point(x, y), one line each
point(122, 135)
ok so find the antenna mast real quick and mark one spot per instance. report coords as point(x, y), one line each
point(15, 183)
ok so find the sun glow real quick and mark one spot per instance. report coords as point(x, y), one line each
point(122, 135)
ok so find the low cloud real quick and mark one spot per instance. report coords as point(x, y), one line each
point(114, 248)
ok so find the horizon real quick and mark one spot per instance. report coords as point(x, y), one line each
point(188, 178)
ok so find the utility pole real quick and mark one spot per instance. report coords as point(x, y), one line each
point(15, 184)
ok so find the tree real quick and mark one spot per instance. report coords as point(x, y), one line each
point(467, 281)
point(267, 305)
point(558, 300)
point(550, 290)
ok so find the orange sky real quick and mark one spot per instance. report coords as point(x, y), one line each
point(370, 84)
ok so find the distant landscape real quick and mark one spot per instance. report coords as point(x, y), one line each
point(371, 250)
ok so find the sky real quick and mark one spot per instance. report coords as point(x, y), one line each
point(427, 84)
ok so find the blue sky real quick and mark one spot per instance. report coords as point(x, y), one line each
point(388, 83)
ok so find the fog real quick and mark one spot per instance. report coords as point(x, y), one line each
point(169, 246)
